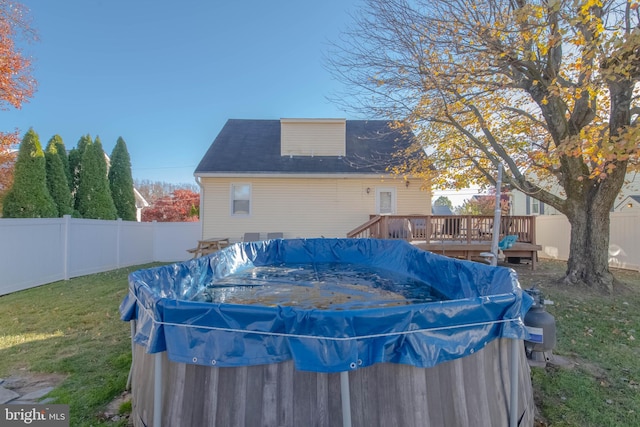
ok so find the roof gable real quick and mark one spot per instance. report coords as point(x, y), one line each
point(633, 197)
point(253, 146)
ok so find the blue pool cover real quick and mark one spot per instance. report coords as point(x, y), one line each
point(267, 302)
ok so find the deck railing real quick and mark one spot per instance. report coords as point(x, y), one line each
point(445, 228)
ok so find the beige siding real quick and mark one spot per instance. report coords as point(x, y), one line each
point(313, 137)
point(302, 207)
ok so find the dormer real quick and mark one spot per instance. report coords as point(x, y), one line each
point(313, 137)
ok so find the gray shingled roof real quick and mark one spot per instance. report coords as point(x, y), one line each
point(253, 146)
point(441, 210)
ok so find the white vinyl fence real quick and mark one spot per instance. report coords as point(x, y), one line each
point(38, 251)
point(553, 233)
point(34, 252)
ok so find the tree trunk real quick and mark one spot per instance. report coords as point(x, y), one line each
point(589, 251)
point(588, 215)
point(589, 207)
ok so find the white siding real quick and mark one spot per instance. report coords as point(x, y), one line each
point(310, 207)
point(631, 187)
point(313, 137)
point(519, 205)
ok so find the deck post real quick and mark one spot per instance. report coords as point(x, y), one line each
point(345, 397)
point(532, 230)
point(384, 227)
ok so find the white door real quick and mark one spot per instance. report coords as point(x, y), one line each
point(386, 201)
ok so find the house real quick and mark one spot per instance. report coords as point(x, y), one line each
point(524, 204)
point(304, 177)
point(441, 210)
point(628, 204)
point(141, 203)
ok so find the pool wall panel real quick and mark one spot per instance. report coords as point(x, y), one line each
point(473, 390)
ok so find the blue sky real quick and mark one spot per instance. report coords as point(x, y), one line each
point(166, 75)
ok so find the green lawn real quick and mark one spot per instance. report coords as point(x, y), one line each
point(600, 337)
point(73, 328)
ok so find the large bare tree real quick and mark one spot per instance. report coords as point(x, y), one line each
point(545, 88)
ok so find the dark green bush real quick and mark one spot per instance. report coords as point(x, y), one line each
point(29, 196)
point(121, 182)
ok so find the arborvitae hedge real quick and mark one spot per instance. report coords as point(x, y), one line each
point(121, 182)
point(29, 196)
point(93, 198)
point(75, 158)
point(57, 179)
point(64, 157)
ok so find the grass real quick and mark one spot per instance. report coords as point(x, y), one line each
point(599, 337)
point(73, 328)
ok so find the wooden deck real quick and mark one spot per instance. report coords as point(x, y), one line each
point(460, 236)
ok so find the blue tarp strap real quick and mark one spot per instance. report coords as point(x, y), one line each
point(359, 337)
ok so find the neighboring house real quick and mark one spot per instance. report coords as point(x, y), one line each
point(523, 204)
point(629, 203)
point(141, 203)
point(628, 197)
point(441, 210)
point(304, 178)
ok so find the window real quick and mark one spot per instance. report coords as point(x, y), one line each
point(535, 206)
point(240, 199)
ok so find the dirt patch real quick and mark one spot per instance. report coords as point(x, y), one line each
point(112, 412)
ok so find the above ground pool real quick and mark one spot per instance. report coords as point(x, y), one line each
point(328, 332)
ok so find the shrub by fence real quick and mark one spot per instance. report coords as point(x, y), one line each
point(38, 251)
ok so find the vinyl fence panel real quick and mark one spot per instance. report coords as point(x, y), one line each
point(34, 251)
point(172, 239)
point(553, 233)
point(92, 246)
point(31, 253)
point(624, 242)
point(136, 243)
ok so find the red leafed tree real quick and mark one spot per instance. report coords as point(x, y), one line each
point(16, 83)
point(7, 160)
point(180, 206)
